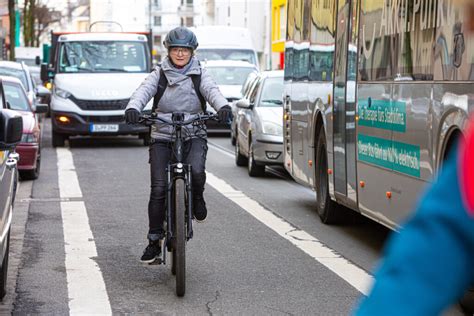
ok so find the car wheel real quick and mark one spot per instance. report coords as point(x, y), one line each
point(32, 174)
point(254, 169)
point(240, 160)
point(4, 270)
point(232, 137)
point(58, 139)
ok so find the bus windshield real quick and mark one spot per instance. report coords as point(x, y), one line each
point(247, 55)
point(103, 57)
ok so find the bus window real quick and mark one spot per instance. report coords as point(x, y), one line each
point(396, 41)
point(321, 51)
point(454, 50)
point(289, 44)
point(301, 48)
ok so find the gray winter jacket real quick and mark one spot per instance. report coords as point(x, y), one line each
point(179, 96)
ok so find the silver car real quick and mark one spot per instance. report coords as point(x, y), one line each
point(259, 121)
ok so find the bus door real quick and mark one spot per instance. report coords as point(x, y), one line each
point(344, 136)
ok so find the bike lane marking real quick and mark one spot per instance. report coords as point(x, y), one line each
point(86, 287)
point(352, 274)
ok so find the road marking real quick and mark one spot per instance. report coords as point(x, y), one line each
point(349, 272)
point(86, 287)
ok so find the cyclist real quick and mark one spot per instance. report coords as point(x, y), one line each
point(180, 95)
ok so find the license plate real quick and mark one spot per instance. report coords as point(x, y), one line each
point(104, 128)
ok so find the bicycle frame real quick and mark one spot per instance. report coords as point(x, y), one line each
point(174, 171)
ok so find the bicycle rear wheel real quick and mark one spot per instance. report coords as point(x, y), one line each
point(179, 249)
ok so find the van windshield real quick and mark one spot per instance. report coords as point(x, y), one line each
point(247, 55)
point(103, 57)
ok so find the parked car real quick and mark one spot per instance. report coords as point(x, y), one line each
point(11, 126)
point(251, 79)
point(230, 75)
point(259, 140)
point(22, 72)
point(29, 148)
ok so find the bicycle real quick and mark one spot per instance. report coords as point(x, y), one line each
point(178, 228)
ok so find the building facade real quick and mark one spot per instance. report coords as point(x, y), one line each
point(251, 14)
point(278, 33)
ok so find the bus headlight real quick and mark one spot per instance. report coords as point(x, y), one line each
point(61, 93)
point(271, 128)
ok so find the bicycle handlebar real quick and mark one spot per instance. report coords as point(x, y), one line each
point(153, 118)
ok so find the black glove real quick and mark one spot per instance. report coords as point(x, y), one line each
point(225, 114)
point(132, 116)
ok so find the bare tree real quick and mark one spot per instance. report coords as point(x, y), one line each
point(29, 22)
point(44, 17)
point(11, 13)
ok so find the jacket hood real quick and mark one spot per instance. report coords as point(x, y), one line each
point(174, 76)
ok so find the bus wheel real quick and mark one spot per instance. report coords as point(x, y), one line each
point(328, 210)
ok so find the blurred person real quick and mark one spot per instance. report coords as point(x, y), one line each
point(429, 265)
point(173, 84)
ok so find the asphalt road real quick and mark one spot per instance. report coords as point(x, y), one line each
point(236, 264)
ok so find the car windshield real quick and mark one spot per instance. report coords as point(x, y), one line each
point(272, 92)
point(17, 73)
point(229, 75)
point(103, 57)
point(16, 97)
point(247, 55)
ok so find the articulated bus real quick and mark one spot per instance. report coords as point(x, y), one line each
point(376, 94)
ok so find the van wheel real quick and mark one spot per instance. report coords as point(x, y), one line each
point(328, 210)
point(58, 139)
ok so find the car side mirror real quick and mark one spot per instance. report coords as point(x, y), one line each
point(11, 129)
point(42, 92)
point(243, 104)
point(9, 106)
point(41, 108)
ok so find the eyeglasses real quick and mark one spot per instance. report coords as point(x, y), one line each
point(183, 50)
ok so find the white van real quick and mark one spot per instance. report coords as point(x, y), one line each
point(94, 76)
point(219, 42)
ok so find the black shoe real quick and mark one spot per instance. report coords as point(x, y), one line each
point(152, 252)
point(200, 210)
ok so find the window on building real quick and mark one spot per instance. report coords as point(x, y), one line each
point(157, 40)
point(282, 22)
point(157, 4)
point(157, 20)
point(190, 21)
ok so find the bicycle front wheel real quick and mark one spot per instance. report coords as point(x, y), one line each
point(179, 249)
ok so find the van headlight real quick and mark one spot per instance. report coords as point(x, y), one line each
point(61, 93)
point(272, 128)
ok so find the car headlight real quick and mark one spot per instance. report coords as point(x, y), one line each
point(272, 128)
point(61, 93)
point(29, 138)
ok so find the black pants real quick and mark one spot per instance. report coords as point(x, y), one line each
point(161, 153)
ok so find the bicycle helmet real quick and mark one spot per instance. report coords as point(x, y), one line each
point(180, 37)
